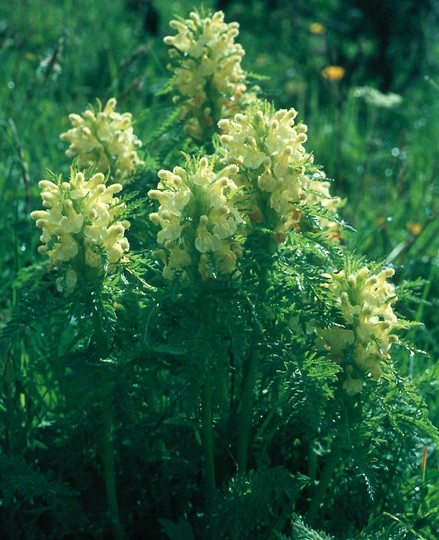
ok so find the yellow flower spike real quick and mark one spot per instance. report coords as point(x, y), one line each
point(224, 225)
point(269, 149)
point(104, 139)
point(208, 76)
point(175, 259)
point(319, 193)
point(227, 257)
point(365, 301)
point(199, 219)
point(80, 224)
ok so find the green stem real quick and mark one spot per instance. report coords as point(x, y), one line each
point(110, 476)
point(10, 413)
point(99, 334)
point(220, 394)
point(108, 451)
point(322, 486)
point(245, 412)
point(280, 523)
point(206, 419)
point(339, 148)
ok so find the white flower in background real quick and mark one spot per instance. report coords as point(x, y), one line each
point(375, 98)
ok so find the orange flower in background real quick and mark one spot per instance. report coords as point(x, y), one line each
point(414, 227)
point(317, 28)
point(333, 73)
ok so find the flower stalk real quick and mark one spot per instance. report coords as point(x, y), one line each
point(108, 460)
point(323, 485)
point(207, 431)
point(108, 449)
point(245, 412)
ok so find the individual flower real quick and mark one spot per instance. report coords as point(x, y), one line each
point(268, 148)
point(333, 73)
point(414, 228)
point(317, 28)
point(320, 197)
point(81, 232)
point(199, 220)
point(206, 63)
point(104, 139)
point(362, 343)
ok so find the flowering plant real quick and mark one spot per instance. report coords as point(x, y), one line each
point(363, 342)
point(199, 221)
point(208, 76)
point(276, 171)
point(104, 139)
point(219, 356)
point(81, 232)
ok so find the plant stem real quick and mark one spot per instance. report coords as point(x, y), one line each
point(339, 149)
point(369, 149)
point(323, 484)
point(108, 451)
point(220, 394)
point(245, 412)
point(110, 476)
point(10, 413)
point(280, 523)
point(206, 419)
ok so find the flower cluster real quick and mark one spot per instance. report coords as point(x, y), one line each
point(206, 63)
point(269, 150)
point(199, 221)
point(365, 300)
point(377, 99)
point(104, 139)
point(80, 229)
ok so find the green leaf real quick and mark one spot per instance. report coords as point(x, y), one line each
point(304, 532)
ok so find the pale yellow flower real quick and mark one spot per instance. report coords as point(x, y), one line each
point(365, 300)
point(319, 195)
point(199, 220)
point(351, 385)
point(80, 226)
point(208, 76)
point(268, 148)
point(104, 139)
point(206, 240)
